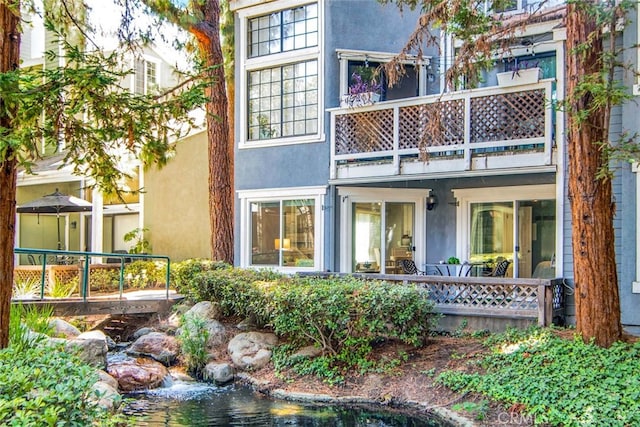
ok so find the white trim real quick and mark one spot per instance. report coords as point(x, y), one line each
point(282, 58)
point(347, 195)
point(466, 196)
point(635, 285)
point(246, 197)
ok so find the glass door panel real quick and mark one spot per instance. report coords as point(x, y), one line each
point(400, 231)
point(298, 231)
point(536, 238)
point(367, 237)
point(492, 230)
point(265, 234)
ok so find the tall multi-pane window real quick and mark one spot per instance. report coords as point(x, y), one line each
point(283, 31)
point(282, 98)
point(146, 76)
point(283, 101)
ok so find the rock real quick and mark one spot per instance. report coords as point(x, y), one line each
point(92, 348)
point(308, 352)
point(107, 395)
point(157, 345)
point(251, 350)
point(219, 373)
point(111, 344)
point(104, 377)
point(63, 329)
point(247, 324)
point(216, 332)
point(142, 331)
point(206, 310)
point(139, 374)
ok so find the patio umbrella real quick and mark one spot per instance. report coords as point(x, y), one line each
point(55, 203)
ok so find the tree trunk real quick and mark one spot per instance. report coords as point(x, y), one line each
point(592, 209)
point(9, 60)
point(220, 157)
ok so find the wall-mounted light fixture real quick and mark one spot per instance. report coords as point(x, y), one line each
point(73, 225)
point(432, 201)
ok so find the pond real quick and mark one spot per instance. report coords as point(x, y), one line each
point(199, 404)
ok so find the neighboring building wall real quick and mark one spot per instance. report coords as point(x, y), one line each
point(176, 201)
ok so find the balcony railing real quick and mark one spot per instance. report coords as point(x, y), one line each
point(470, 130)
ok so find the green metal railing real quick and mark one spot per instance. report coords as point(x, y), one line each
point(50, 254)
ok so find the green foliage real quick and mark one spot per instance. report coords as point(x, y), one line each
point(45, 386)
point(105, 280)
point(345, 317)
point(26, 288)
point(559, 381)
point(140, 244)
point(62, 289)
point(193, 341)
point(477, 409)
point(145, 274)
point(27, 318)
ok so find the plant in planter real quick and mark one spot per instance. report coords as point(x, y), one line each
point(521, 72)
point(364, 90)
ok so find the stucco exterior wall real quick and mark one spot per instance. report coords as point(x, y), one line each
point(176, 203)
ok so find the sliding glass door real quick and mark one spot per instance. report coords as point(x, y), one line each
point(527, 238)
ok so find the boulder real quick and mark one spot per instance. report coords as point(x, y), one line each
point(251, 350)
point(106, 395)
point(308, 352)
point(92, 347)
point(247, 324)
point(157, 345)
point(142, 331)
point(104, 377)
point(138, 374)
point(63, 329)
point(206, 310)
point(216, 331)
point(219, 373)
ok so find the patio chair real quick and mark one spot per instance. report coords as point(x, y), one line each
point(501, 269)
point(409, 267)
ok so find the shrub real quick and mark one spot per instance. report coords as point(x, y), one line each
point(104, 280)
point(193, 342)
point(44, 386)
point(26, 288)
point(62, 289)
point(24, 319)
point(143, 274)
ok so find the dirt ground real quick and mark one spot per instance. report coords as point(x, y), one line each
point(411, 387)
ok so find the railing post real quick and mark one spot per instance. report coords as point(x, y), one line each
point(43, 277)
point(85, 279)
point(545, 304)
point(467, 132)
point(168, 275)
point(332, 165)
point(121, 280)
point(396, 140)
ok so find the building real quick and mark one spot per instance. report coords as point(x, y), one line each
point(326, 182)
point(181, 185)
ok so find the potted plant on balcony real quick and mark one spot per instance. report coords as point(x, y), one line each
point(523, 73)
point(362, 91)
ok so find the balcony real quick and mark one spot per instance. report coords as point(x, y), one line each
point(481, 131)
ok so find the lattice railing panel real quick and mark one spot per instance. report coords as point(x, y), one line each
point(504, 296)
point(518, 115)
point(364, 132)
point(437, 124)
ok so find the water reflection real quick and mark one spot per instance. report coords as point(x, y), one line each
point(197, 404)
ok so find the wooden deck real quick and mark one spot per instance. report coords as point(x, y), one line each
point(136, 302)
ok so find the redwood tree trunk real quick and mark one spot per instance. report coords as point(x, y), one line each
point(207, 32)
point(9, 59)
point(592, 209)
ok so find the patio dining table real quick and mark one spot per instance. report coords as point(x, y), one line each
point(460, 270)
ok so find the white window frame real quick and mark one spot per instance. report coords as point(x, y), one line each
point(277, 195)
point(466, 196)
point(145, 60)
point(635, 285)
point(276, 60)
point(349, 195)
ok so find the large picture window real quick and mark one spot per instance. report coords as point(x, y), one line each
point(283, 101)
point(283, 233)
